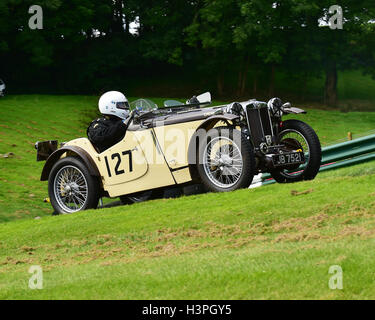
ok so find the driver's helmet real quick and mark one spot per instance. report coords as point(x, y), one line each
point(114, 103)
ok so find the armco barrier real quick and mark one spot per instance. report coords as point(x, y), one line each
point(348, 149)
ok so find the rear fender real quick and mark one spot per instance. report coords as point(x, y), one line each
point(76, 151)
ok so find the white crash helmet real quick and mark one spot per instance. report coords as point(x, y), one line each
point(114, 103)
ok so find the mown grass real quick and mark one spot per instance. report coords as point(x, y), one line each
point(272, 242)
point(30, 118)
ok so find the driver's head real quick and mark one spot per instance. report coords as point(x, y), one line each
point(114, 103)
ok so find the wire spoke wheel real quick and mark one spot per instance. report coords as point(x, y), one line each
point(298, 135)
point(294, 140)
point(70, 189)
point(222, 162)
point(226, 160)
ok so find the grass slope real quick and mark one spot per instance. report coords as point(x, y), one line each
point(276, 241)
point(356, 91)
point(30, 118)
point(272, 242)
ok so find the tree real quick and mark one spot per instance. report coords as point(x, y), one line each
point(298, 31)
point(212, 32)
point(161, 33)
point(264, 29)
point(87, 46)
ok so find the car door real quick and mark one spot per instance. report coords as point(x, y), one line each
point(123, 162)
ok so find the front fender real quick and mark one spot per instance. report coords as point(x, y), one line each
point(210, 122)
point(201, 131)
point(77, 151)
point(293, 110)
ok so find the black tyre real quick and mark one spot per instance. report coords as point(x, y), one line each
point(226, 160)
point(296, 134)
point(71, 188)
point(142, 196)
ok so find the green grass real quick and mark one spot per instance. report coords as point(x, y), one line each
point(355, 90)
point(353, 85)
point(27, 119)
point(264, 243)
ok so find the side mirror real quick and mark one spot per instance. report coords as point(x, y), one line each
point(286, 105)
point(204, 97)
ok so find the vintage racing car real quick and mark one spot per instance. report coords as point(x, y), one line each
point(221, 147)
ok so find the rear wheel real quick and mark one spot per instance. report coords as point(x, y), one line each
point(299, 135)
point(71, 188)
point(226, 160)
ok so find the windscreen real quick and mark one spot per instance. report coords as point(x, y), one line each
point(143, 105)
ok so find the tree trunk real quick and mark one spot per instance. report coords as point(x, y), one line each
point(304, 87)
point(242, 76)
point(117, 20)
point(220, 84)
point(330, 88)
point(126, 26)
point(272, 81)
point(255, 83)
point(239, 84)
point(245, 70)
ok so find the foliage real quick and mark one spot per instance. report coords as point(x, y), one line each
point(88, 47)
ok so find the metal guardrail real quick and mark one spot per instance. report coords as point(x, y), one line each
point(341, 155)
point(348, 149)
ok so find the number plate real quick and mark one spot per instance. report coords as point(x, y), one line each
point(288, 158)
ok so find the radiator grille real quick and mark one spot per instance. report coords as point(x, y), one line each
point(265, 118)
point(259, 124)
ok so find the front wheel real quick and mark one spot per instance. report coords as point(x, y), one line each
point(71, 188)
point(226, 160)
point(295, 135)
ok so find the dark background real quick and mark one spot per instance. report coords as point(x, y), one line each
point(235, 48)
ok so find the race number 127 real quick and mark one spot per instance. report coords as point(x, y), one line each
point(116, 160)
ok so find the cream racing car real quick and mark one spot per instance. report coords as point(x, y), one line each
point(221, 147)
